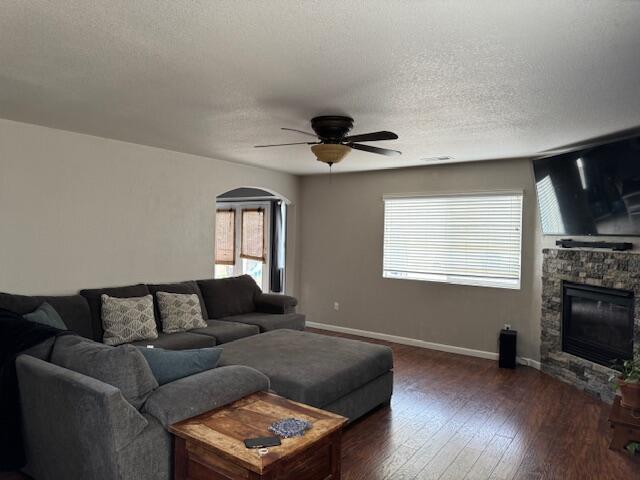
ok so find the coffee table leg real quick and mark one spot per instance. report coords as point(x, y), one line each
point(336, 455)
point(180, 459)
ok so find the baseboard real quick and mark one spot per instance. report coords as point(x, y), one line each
point(530, 362)
point(414, 342)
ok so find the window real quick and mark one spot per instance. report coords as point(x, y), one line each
point(225, 236)
point(253, 234)
point(247, 251)
point(463, 239)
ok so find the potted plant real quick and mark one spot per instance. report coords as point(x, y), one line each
point(628, 382)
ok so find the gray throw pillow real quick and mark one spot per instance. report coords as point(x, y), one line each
point(126, 320)
point(170, 365)
point(124, 366)
point(179, 312)
point(45, 314)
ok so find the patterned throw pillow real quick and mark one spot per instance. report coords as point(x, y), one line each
point(126, 320)
point(179, 312)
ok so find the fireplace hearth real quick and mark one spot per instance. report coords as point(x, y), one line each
point(590, 315)
point(597, 323)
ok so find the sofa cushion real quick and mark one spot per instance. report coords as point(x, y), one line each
point(275, 303)
point(94, 299)
point(179, 341)
point(73, 309)
point(308, 367)
point(179, 312)
point(181, 287)
point(124, 366)
point(170, 365)
point(45, 314)
point(269, 321)
point(227, 331)
point(204, 391)
point(224, 297)
point(128, 319)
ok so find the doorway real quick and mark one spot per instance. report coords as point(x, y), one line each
point(250, 237)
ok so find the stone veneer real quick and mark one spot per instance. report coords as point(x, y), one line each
point(619, 270)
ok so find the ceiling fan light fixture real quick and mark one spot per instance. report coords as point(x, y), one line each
point(330, 153)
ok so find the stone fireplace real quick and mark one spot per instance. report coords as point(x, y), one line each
point(590, 315)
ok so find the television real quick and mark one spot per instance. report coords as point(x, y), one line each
point(595, 191)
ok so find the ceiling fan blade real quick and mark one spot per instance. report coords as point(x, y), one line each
point(285, 144)
point(595, 141)
point(370, 149)
point(300, 131)
point(371, 137)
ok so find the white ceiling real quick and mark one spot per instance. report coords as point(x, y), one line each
point(471, 79)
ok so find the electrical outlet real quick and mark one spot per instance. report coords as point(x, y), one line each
point(336, 306)
point(507, 326)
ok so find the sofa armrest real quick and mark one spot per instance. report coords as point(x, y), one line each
point(68, 415)
point(275, 303)
point(199, 393)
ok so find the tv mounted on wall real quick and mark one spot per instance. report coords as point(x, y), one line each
point(591, 192)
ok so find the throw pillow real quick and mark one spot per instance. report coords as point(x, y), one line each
point(45, 314)
point(170, 365)
point(180, 312)
point(126, 320)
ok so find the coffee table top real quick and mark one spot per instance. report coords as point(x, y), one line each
point(224, 430)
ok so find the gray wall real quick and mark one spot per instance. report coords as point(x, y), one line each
point(81, 211)
point(341, 233)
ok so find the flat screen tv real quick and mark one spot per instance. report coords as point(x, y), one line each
point(591, 192)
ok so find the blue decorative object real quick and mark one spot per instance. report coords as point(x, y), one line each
point(289, 427)
point(170, 365)
point(45, 314)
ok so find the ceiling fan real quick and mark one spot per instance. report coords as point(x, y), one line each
point(333, 143)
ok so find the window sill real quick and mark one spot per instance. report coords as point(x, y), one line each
point(458, 280)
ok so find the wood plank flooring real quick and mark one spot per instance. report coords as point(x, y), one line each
point(455, 417)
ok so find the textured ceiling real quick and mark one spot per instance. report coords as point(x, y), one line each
point(472, 80)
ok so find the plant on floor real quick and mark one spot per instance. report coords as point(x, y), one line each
point(633, 448)
point(628, 382)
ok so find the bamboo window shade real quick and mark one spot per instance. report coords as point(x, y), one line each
point(225, 237)
point(253, 234)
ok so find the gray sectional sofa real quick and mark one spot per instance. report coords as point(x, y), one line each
point(233, 307)
point(111, 422)
point(78, 427)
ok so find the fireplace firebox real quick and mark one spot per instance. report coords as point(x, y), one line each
point(597, 323)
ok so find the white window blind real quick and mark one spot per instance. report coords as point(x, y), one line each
point(463, 239)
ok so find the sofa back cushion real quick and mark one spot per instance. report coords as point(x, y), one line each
point(94, 300)
point(225, 297)
point(124, 366)
point(181, 287)
point(73, 309)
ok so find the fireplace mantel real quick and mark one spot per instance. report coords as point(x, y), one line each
point(617, 270)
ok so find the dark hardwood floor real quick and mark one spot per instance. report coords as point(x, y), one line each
point(455, 417)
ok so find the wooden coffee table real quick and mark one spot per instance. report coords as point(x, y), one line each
point(210, 446)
